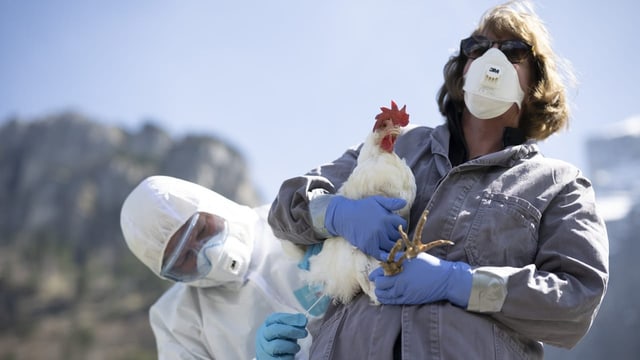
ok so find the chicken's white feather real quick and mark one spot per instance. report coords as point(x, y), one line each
point(341, 268)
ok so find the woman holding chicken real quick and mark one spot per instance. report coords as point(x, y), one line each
point(529, 264)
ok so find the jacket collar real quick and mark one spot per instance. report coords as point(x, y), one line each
point(516, 148)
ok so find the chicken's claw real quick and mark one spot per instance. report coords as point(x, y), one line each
point(411, 248)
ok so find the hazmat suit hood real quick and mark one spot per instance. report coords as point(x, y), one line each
point(156, 208)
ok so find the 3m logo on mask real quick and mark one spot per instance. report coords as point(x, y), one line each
point(493, 72)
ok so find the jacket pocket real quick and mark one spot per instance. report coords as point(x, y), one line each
point(508, 347)
point(504, 232)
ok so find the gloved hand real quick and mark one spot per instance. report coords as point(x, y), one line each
point(368, 224)
point(278, 336)
point(425, 279)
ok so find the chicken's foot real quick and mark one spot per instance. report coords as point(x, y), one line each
point(411, 248)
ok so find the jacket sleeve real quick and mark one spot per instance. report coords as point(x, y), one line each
point(555, 299)
point(176, 327)
point(290, 216)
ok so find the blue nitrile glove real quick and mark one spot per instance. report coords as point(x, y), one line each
point(369, 224)
point(278, 336)
point(425, 279)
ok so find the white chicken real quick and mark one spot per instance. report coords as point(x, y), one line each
point(340, 267)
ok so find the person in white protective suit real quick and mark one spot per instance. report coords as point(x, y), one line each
point(230, 271)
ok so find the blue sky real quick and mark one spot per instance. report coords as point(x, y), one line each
point(290, 83)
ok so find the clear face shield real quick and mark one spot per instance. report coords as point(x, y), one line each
point(203, 253)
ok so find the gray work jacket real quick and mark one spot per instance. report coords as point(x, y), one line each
point(526, 224)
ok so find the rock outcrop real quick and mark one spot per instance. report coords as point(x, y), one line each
point(70, 288)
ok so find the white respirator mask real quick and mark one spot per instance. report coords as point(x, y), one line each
point(491, 85)
point(223, 260)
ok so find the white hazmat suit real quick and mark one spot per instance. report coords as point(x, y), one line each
point(200, 321)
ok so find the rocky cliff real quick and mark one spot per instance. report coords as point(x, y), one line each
point(69, 287)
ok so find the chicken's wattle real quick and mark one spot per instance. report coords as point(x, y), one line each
point(387, 143)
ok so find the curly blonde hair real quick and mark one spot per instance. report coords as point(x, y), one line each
point(546, 109)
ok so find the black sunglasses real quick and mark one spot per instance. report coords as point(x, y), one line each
point(515, 50)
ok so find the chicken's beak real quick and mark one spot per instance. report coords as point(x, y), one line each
point(394, 131)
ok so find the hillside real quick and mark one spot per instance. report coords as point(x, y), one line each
point(69, 287)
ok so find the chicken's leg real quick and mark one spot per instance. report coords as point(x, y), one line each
point(411, 248)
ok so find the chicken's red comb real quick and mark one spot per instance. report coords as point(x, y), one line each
point(398, 116)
